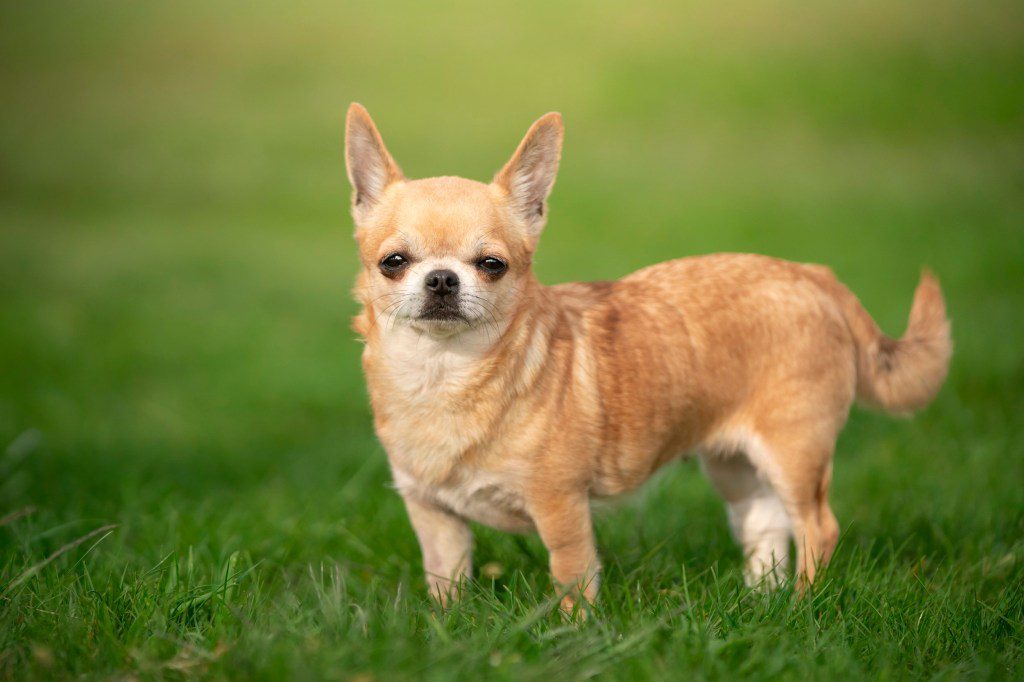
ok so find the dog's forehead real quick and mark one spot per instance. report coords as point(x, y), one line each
point(446, 212)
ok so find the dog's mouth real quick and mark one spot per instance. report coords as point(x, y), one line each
point(442, 312)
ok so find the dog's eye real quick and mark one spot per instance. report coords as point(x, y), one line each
point(491, 265)
point(393, 263)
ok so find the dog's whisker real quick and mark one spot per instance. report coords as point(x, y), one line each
point(377, 317)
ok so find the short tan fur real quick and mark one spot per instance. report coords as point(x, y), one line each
point(502, 401)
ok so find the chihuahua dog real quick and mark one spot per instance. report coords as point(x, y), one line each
point(513, 404)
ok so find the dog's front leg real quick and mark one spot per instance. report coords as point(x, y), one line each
point(563, 521)
point(447, 546)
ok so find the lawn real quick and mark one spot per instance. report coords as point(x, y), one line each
point(189, 480)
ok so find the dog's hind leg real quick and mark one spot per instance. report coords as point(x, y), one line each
point(757, 517)
point(826, 519)
point(798, 464)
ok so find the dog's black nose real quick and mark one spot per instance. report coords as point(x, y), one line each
point(442, 282)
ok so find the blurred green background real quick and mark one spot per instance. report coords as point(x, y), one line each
point(176, 259)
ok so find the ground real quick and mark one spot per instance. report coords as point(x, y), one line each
point(180, 390)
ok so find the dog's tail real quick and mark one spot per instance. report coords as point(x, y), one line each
point(904, 375)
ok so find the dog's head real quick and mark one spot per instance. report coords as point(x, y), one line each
point(446, 255)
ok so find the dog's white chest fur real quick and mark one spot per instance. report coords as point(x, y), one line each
point(474, 494)
point(429, 432)
point(427, 427)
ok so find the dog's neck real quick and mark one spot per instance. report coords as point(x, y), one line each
point(407, 346)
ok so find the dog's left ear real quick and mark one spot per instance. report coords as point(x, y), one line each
point(529, 175)
point(370, 167)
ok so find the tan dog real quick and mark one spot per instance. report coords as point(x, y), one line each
point(512, 404)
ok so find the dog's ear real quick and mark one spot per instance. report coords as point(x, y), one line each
point(529, 175)
point(370, 167)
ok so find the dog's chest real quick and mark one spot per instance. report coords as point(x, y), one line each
point(430, 418)
point(432, 422)
point(486, 497)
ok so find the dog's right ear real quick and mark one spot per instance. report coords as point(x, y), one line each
point(370, 167)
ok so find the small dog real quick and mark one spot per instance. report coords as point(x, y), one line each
point(512, 404)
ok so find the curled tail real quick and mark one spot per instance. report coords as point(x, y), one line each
point(904, 375)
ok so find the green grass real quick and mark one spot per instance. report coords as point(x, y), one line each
point(175, 357)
